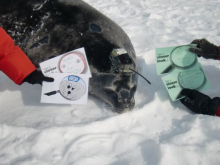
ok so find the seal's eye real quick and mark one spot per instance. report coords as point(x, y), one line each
point(111, 92)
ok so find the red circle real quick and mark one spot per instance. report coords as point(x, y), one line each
point(79, 55)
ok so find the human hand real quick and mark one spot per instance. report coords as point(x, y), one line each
point(205, 49)
point(200, 103)
point(37, 77)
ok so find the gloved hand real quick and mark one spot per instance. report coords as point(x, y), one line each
point(199, 102)
point(205, 49)
point(37, 77)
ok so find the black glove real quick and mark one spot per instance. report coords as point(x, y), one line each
point(36, 77)
point(205, 49)
point(200, 103)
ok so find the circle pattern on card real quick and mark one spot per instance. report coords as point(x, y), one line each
point(182, 57)
point(72, 63)
point(72, 87)
point(191, 79)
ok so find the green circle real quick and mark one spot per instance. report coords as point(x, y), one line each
point(182, 57)
point(191, 79)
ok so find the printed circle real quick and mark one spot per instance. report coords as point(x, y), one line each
point(72, 87)
point(182, 57)
point(72, 63)
point(191, 79)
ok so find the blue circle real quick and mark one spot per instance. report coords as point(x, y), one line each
point(73, 78)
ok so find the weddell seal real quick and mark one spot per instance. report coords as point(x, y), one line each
point(47, 28)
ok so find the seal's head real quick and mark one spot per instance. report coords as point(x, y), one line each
point(117, 90)
point(114, 86)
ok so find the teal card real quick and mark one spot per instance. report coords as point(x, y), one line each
point(175, 59)
point(191, 79)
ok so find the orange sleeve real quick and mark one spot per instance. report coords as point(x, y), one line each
point(13, 61)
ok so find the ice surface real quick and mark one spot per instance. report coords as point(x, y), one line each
point(157, 132)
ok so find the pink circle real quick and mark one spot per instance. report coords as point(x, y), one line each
point(77, 54)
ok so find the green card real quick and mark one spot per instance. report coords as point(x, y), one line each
point(191, 79)
point(175, 59)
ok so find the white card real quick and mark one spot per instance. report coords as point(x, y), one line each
point(74, 62)
point(67, 88)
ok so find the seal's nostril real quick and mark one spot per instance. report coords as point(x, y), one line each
point(129, 100)
point(120, 100)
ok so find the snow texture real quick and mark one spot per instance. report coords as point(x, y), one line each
point(157, 132)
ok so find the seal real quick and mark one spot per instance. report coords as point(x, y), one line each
point(47, 28)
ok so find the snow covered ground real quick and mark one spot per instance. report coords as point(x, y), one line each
point(157, 132)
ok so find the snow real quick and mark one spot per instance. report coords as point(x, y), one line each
point(157, 132)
